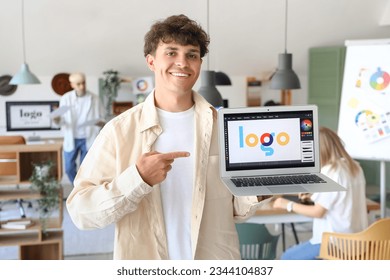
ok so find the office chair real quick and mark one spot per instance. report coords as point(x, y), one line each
point(372, 243)
point(8, 166)
point(256, 242)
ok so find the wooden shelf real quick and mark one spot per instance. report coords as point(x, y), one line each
point(8, 180)
point(16, 239)
point(33, 245)
point(27, 155)
point(15, 194)
point(253, 92)
point(33, 232)
point(49, 248)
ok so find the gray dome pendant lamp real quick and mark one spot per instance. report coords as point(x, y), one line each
point(208, 89)
point(285, 78)
point(222, 79)
point(209, 80)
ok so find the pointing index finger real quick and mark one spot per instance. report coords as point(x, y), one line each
point(173, 155)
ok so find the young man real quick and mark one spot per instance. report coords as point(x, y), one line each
point(153, 170)
point(83, 107)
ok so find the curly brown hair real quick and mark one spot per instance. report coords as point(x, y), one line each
point(179, 29)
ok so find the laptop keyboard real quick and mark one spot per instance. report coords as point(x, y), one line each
point(277, 180)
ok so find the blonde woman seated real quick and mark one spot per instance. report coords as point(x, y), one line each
point(332, 211)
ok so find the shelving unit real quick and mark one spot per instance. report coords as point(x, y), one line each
point(253, 91)
point(33, 245)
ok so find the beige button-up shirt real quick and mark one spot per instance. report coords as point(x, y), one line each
point(108, 189)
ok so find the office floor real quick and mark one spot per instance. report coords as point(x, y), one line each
point(102, 256)
point(303, 231)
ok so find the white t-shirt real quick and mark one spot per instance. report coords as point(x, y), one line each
point(346, 211)
point(176, 189)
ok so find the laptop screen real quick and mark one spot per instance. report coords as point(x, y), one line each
point(268, 140)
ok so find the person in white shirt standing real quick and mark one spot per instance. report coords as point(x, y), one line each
point(154, 169)
point(344, 211)
point(83, 107)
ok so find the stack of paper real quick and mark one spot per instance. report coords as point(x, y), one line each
point(17, 224)
point(59, 111)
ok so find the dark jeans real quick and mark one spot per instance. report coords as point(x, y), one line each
point(80, 148)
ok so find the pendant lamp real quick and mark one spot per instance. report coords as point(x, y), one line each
point(208, 89)
point(285, 77)
point(208, 79)
point(24, 76)
point(221, 79)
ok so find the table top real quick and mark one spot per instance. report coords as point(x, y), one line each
point(269, 215)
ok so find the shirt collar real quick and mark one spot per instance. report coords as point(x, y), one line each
point(149, 116)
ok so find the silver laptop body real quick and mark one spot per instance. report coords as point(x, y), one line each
point(275, 141)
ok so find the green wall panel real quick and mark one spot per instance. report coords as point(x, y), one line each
point(326, 69)
point(326, 66)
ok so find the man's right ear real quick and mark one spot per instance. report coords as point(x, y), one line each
point(150, 62)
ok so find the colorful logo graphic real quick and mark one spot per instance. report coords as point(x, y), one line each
point(374, 126)
point(379, 80)
point(264, 140)
point(366, 119)
point(142, 85)
point(306, 125)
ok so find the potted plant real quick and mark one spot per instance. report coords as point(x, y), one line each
point(45, 183)
point(110, 86)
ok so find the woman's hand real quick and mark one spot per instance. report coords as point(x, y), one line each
point(280, 203)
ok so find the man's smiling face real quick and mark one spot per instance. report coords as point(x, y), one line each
point(176, 67)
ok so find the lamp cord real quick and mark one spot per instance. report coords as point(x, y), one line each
point(23, 40)
point(208, 31)
point(285, 29)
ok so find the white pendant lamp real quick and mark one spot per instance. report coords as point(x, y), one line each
point(24, 76)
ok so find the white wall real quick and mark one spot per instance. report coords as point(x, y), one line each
point(246, 36)
point(236, 94)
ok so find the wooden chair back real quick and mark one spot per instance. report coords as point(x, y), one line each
point(8, 160)
point(370, 244)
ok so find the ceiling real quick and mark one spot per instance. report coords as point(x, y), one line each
point(246, 36)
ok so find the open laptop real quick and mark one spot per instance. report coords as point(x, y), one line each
point(276, 145)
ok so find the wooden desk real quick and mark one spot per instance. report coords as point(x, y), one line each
point(372, 205)
point(270, 215)
point(277, 216)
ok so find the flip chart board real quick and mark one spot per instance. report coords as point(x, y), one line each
point(364, 118)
